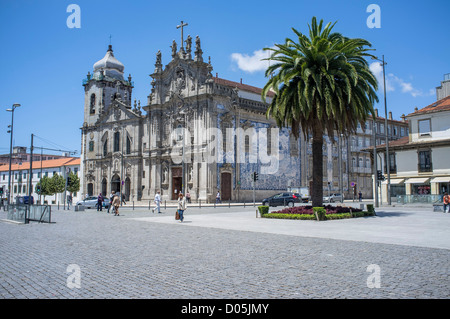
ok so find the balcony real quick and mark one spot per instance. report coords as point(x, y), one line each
point(424, 168)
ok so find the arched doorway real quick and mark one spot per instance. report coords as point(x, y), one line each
point(104, 187)
point(90, 189)
point(115, 183)
point(225, 185)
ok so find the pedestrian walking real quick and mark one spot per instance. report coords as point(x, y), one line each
point(181, 206)
point(116, 203)
point(123, 199)
point(111, 197)
point(360, 196)
point(157, 203)
point(446, 200)
point(188, 197)
point(99, 202)
point(218, 198)
point(69, 201)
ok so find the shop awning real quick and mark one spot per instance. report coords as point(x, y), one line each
point(442, 179)
point(419, 180)
point(394, 181)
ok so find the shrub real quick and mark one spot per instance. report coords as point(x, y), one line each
point(263, 210)
point(320, 213)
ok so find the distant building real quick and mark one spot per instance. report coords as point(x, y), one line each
point(443, 90)
point(347, 162)
point(20, 174)
point(421, 159)
point(20, 155)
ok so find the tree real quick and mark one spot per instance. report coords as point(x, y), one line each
point(58, 184)
point(73, 183)
point(322, 85)
point(44, 186)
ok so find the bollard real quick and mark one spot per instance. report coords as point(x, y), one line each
point(199, 203)
point(133, 205)
point(149, 206)
point(229, 204)
point(165, 204)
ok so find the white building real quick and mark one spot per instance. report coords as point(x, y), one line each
point(421, 160)
point(20, 174)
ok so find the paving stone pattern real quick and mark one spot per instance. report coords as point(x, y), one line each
point(121, 257)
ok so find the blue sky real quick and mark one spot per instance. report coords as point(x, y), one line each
point(43, 62)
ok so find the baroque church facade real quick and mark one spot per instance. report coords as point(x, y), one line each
point(198, 133)
point(202, 134)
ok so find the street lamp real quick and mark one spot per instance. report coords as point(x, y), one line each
point(15, 105)
point(386, 132)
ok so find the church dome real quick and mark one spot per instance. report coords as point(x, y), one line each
point(110, 65)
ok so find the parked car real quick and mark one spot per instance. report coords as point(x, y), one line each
point(333, 198)
point(287, 198)
point(91, 202)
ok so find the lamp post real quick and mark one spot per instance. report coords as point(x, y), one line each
point(15, 105)
point(386, 132)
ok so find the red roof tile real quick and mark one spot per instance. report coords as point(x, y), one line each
point(441, 105)
point(65, 161)
point(241, 86)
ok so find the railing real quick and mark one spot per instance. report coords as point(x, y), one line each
point(26, 213)
point(412, 199)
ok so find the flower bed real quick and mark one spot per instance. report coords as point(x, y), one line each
point(323, 213)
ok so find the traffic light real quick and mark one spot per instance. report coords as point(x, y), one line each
point(255, 176)
point(380, 176)
point(1, 190)
point(38, 188)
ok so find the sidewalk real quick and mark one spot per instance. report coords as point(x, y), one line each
point(414, 226)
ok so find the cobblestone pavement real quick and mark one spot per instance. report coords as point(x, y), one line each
point(127, 257)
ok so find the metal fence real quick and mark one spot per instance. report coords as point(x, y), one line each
point(26, 213)
point(412, 199)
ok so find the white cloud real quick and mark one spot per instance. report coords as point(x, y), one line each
point(251, 63)
point(393, 82)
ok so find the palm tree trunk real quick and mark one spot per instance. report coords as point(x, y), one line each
point(317, 166)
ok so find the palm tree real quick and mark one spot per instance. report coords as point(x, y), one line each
point(322, 85)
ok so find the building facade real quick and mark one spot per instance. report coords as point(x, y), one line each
point(421, 158)
point(202, 134)
point(20, 178)
point(197, 133)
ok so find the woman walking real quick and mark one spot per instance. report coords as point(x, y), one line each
point(115, 203)
point(181, 206)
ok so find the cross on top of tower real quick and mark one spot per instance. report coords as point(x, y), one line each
point(181, 26)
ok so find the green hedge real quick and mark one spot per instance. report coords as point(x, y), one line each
point(263, 210)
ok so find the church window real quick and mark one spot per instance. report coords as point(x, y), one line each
point(116, 141)
point(92, 105)
point(179, 132)
point(91, 146)
point(105, 148)
point(128, 145)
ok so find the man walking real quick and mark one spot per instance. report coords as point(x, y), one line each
point(157, 202)
point(99, 202)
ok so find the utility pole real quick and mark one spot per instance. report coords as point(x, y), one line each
point(375, 164)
